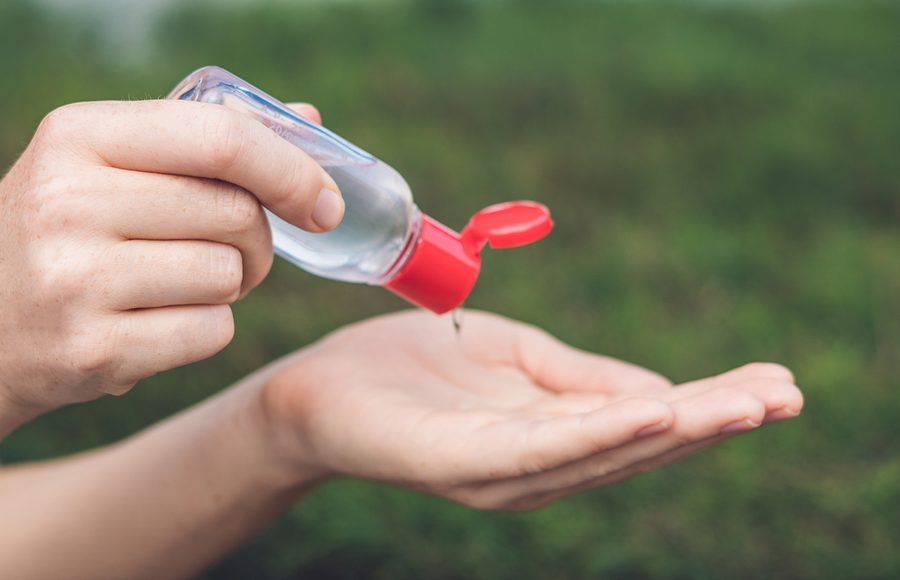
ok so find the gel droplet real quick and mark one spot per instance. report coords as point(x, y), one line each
point(456, 316)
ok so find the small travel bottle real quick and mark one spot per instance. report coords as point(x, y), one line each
point(384, 239)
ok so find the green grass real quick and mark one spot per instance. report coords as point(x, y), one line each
point(726, 183)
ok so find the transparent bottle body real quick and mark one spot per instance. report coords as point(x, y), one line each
point(380, 221)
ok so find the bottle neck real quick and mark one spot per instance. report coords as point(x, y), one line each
point(409, 247)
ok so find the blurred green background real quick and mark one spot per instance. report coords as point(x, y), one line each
point(725, 177)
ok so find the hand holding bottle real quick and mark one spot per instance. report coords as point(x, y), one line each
point(384, 239)
point(506, 417)
point(126, 230)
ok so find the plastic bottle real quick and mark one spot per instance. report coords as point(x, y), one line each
point(383, 239)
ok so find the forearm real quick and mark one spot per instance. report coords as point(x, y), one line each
point(163, 504)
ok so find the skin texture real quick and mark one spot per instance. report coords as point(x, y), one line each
point(99, 226)
point(126, 231)
point(505, 418)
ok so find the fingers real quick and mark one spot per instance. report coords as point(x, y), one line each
point(308, 111)
point(755, 370)
point(751, 373)
point(151, 274)
point(559, 367)
point(699, 421)
point(207, 140)
point(546, 444)
point(170, 337)
point(532, 500)
point(758, 370)
point(779, 397)
point(652, 463)
point(725, 411)
point(145, 206)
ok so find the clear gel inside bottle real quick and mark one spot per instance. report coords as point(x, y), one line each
point(383, 239)
point(380, 219)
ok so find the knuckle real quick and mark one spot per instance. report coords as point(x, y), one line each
point(93, 353)
point(238, 210)
point(223, 138)
point(59, 273)
point(55, 204)
point(62, 127)
point(45, 204)
point(58, 122)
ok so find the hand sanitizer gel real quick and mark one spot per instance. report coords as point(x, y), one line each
point(384, 239)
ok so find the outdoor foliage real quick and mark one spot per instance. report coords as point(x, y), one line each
point(726, 184)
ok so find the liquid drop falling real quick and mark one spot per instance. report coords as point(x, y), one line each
point(456, 316)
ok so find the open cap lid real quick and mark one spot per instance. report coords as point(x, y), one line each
point(444, 265)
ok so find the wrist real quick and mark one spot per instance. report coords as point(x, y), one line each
point(275, 438)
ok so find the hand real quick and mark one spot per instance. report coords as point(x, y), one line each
point(126, 230)
point(503, 417)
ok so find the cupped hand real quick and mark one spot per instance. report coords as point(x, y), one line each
point(503, 416)
point(127, 229)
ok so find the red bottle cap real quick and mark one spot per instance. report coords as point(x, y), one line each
point(444, 265)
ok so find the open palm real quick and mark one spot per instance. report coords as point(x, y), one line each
point(502, 416)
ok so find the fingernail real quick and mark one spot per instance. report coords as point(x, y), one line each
point(780, 415)
point(738, 426)
point(652, 429)
point(329, 209)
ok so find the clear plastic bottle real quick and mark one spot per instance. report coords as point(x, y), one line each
point(383, 239)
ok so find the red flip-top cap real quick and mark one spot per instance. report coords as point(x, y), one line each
point(444, 265)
